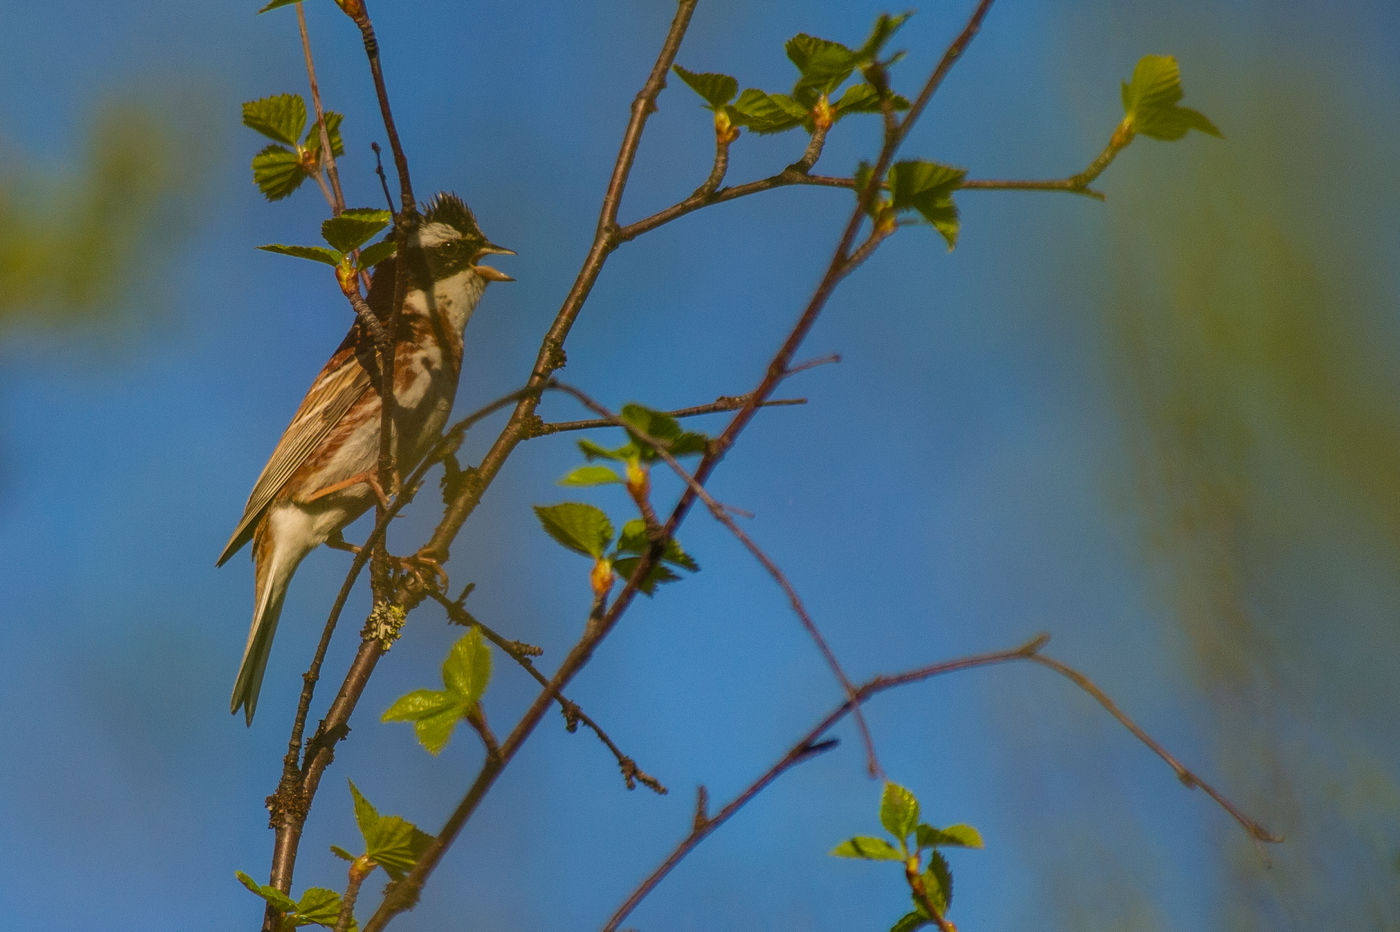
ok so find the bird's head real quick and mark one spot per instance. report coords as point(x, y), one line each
point(448, 241)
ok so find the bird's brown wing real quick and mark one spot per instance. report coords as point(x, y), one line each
point(340, 384)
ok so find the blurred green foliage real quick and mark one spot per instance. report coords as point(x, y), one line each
point(75, 240)
point(1254, 344)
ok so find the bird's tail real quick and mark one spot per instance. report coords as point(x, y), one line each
point(272, 579)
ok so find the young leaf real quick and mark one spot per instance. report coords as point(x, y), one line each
point(899, 811)
point(580, 527)
point(354, 227)
point(319, 906)
point(376, 253)
point(390, 841)
point(825, 65)
point(1149, 101)
point(928, 187)
point(909, 922)
point(634, 540)
point(958, 836)
point(656, 575)
point(281, 117)
point(594, 451)
point(434, 714)
point(938, 881)
point(665, 428)
point(274, 897)
point(313, 135)
point(863, 98)
point(869, 848)
point(885, 27)
point(768, 113)
point(467, 669)
point(342, 853)
point(716, 89)
point(277, 171)
point(591, 475)
point(276, 3)
point(314, 253)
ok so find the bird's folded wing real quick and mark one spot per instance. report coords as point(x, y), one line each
point(339, 386)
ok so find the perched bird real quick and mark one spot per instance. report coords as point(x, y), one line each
point(323, 473)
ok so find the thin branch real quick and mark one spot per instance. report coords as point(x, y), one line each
point(802, 749)
point(723, 403)
point(573, 714)
point(355, 9)
point(1189, 779)
point(335, 195)
point(1067, 185)
point(721, 515)
point(800, 752)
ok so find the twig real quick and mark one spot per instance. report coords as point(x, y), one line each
point(573, 715)
point(723, 403)
point(1189, 779)
point(801, 751)
point(335, 196)
point(355, 9)
point(722, 516)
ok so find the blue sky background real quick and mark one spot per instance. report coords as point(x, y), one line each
point(1161, 428)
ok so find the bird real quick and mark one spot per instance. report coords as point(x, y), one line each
point(322, 475)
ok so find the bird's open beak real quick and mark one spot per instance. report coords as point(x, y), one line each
point(486, 271)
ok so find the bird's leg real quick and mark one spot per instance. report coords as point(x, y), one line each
point(337, 541)
point(368, 478)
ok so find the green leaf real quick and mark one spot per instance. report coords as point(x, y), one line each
point(869, 848)
point(314, 253)
point(591, 475)
point(313, 135)
point(274, 897)
point(958, 836)
point(1149, 101)
point(281, 117)
point(276, 3)
point(863, 98)
point(825, 65)
point(664, 428)
point(767, 113)
point(396, 845)
point(634, 540)
point(594, 451)
point(656, 575)
point(899, 811)
point(716, 89)
point(354, 227)
point(885, 27)
point(914, 182)
point(390, 841)
point(862, 177)
point(927, 187)
point(580, 527)
point(342, 853)
point(366, 816)
point(319, 906)
point(938, 881)
point(467, 669)
point(378, 252)
point(277, 171)
point(434, 714)
point(909, 922)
